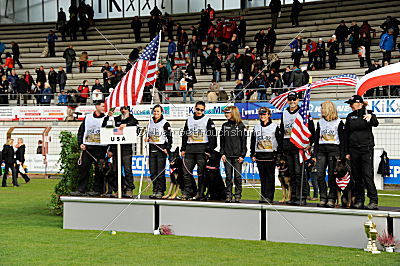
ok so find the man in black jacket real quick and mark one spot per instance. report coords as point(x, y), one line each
point(20, 157)
point(22, 90)
point(92, 151)
point(275, 6)
point(136, 26)
point(341, 34)
point(125, 119)
point(360, 149)
point(198, 140)
point(292, 152)
point(16, 53)
point(52, 78)
point(40, 75)
point(162, 79)
point(61, 78)
point(242, 31)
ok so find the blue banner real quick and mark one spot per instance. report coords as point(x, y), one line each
point(394, 178)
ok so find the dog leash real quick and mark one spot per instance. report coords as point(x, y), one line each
point(80, 157)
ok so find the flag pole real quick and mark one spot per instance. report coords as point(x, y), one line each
point(151, 104)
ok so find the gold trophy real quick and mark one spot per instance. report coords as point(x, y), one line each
point(372, 233)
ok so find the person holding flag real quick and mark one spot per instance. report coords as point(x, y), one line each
point(297, 131)
point(125, 119)
point(359, 150)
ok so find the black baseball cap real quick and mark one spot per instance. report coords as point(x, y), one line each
point(293, 94)
point(355, 99)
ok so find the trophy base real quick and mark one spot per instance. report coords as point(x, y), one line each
point(375, 252)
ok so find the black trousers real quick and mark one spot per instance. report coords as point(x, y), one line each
point(386, 56)
point(341, 43)
point(83, 66)
point(52, 49)
point(296, 59)
point(127, 179)
point(274, 17)
point(97, 152)
point(267, 179)
point(228, 72)
point(24, 176)
point(190, 161)
point(16, 60)
point(138, 39)
point(10, 166)
point(294, 18)
point(332, 61)
point(157, 162)
point(295, 174)
point(326, 159)
point(362, 173)
point(233, 169)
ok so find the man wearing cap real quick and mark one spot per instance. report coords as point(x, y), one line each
point(359, 147)
point(291, 151)
point(199, 138)
point(333, 50)
point(125, 119)
point(92, 151)
point(387, 45)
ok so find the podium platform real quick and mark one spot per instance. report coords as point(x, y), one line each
point(248, 220)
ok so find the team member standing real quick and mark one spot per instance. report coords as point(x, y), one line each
point(198, 140)
point(125, 119)
point(359, 149)
point(233, 151)
point(160, 140)
point(8, 158)
point(20, 157)
point(291, 151)
point(328, 148)
point(264, 145)
point(92, 151)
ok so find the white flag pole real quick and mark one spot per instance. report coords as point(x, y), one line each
point(151, 105)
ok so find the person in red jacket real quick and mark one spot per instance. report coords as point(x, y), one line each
point(227, 32)
point(218, 31)
point(84, 91)
point(311, 48)
point(9, 65)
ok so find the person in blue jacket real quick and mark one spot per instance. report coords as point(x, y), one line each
point(2, 49)
point(387, 45)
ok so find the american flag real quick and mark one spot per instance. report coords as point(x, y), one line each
point(129, 90)
point(118, 131)
point(341, 80)
point(300, 132)
point(343, 182)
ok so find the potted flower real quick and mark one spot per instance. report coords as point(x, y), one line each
point(166, 229)
point(387, 241)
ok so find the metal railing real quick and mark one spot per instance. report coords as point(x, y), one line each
point(179, 96)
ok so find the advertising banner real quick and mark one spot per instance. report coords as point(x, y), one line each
point(394, 178)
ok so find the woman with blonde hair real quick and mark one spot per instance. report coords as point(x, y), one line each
point(8, 155)
point(263, 149)
point(233, 151)
point(328, 148)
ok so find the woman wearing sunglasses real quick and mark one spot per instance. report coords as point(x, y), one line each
point(160, 140)
point(199, 138)
point(233, 150)
point(263, 149)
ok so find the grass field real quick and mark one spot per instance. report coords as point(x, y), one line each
point(30, 234)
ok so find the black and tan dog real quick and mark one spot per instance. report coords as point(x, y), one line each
point(284, 178)
point(176, 175)
point(342, 175)
point(105, 167)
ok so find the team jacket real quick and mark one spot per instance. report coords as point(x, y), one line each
point(233, 140)
point(358, 130)
point(319, 146)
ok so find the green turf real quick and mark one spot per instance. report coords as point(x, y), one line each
point(29, 235)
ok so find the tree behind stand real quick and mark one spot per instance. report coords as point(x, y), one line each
point(69, 156)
